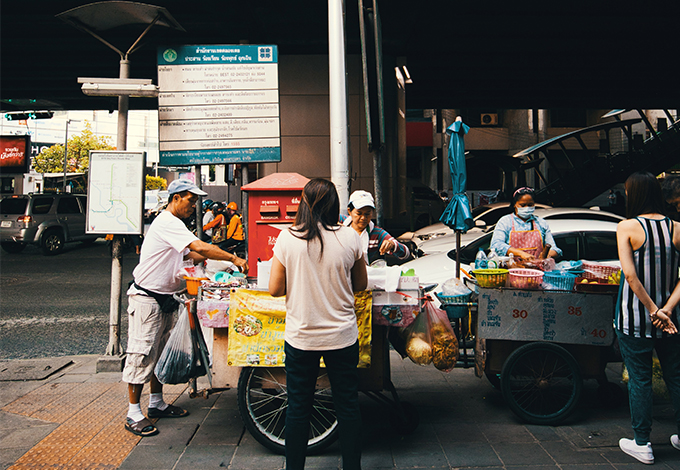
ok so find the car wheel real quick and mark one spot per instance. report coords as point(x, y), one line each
point(52, 242)
point(13, 247)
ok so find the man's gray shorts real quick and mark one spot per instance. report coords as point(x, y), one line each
point(148, 331)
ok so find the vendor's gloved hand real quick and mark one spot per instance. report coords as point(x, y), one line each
point(387, 246)
point(241, 264)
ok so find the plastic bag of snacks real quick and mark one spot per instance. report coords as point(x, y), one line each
point(444, 343)
point(418, 340)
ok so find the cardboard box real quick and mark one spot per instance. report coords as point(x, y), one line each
point(408, 283)
point(396, 308)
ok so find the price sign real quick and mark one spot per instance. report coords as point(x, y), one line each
point(521, 315)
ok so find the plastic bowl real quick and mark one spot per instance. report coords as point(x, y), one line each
point(525, 278)
point(490, 277)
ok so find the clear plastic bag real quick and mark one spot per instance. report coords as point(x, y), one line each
point(180, 360)
point(445, 349)
point(418, 341)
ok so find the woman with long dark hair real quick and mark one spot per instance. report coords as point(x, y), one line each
point(646, 308)
point(318, 265)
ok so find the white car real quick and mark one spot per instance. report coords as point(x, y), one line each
point(593, 240)
point(484, 217)
point(445, 243)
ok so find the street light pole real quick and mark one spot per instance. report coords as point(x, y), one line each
point(63, 188)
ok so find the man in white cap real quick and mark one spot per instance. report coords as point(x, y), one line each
point(376, 241)
point(151, 305)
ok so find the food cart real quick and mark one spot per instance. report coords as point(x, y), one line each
point(247, 354)
point(537, 346)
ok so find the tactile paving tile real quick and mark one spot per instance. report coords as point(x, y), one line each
point(76, 399)
point(94, 437)
point(38, 398)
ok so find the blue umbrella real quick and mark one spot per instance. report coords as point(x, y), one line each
point(457, 214)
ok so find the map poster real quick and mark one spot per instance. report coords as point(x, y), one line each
point(115, 193)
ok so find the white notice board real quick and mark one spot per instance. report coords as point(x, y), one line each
point(115, 192)
point(218, 104)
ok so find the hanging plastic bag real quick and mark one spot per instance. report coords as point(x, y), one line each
point(179, 362)
point(418, 340)
point(445, 349)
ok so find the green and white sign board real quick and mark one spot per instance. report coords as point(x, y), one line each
point(115, 192)
point(218, 104)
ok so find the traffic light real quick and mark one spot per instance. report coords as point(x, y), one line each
point(24, 115)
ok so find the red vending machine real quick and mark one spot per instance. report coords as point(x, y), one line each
point(272, 206)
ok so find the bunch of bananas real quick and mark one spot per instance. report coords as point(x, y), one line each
point(615, 278)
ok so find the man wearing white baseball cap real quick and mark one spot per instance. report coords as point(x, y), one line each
point(151, 305)
point(375, 240)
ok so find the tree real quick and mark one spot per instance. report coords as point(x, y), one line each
point(51, 160)
point(155, 182)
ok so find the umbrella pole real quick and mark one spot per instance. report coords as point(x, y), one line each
point(457, 254)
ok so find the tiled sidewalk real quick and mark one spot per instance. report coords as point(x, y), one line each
point(74, 419)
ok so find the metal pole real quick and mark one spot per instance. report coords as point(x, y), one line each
point(63, 188)
point(113, 348)
point(338, 100)
point(198, 213)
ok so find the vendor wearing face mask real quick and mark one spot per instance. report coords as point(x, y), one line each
point(522, 233)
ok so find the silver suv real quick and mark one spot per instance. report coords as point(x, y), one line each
point(47, 220)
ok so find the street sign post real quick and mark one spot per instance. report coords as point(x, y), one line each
point(218, 104)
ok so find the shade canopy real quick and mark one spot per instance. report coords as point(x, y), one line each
point(457, 214)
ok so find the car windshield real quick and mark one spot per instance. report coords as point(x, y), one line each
point(13, 206)
point(492, 216)
point(477, 211)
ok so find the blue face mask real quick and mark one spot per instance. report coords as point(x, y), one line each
point(525, 212)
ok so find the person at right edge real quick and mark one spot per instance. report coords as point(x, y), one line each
point(317, 265)
point(646, 317)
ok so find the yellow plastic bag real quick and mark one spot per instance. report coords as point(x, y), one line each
point(363, 304)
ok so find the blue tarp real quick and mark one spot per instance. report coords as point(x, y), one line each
point(457, 214)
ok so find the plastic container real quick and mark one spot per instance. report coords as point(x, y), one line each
point(454, 311)
point(525, 278)
point(491, 277)
point(598, 271)
point(481, 261)
point(595, 286)
point(193, 283)
point(559, 280)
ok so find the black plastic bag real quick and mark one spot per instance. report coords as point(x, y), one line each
point(180, 360)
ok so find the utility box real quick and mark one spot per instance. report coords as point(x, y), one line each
point(272, 206)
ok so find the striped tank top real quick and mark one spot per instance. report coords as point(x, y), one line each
point(656, 263)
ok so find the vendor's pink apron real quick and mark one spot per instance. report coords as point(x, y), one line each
point(529, 241)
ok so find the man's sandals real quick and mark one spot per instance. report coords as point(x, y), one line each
point(146, 428)
point(170, 412)
point(142, 428)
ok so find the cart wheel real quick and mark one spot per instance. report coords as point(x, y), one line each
point(541, 383)
point(406, 422)
point(494, 379)
point(610, 395)
point(262, 403)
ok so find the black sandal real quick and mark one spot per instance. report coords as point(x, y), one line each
point(142, 427)
point(170, 412)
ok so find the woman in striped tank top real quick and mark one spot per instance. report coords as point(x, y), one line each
point(647, 306)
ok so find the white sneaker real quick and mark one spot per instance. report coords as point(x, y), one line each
point(675, 442)
point(642, 453)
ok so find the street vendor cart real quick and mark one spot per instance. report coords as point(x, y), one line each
point(248, 355)
point(537, 346)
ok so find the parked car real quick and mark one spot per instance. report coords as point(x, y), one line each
point(593, 240)
point(445, 243)
point(46, 220)
point(161, 202)
point(484, 217)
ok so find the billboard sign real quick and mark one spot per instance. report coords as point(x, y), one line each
point(15, 154)
point(218, 104)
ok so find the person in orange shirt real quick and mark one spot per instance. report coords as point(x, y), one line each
point(231, 219)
